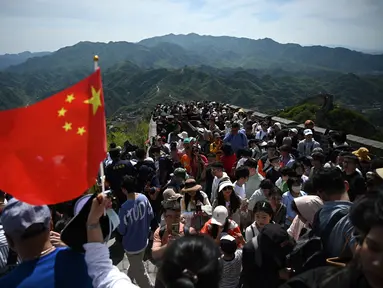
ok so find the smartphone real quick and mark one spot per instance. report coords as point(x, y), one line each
point(176, 228)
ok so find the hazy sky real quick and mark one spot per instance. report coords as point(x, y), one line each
point(47, 25)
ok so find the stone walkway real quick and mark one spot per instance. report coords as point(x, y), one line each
point(121, 261)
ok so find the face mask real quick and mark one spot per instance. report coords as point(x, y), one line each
point(296, 189)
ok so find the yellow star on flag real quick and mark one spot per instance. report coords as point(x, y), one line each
point(61, 112)
point(67, 126)
point(95, 100)
point(69, 98)
point(81, 130)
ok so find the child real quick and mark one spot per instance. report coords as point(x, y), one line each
point(263, 213)
point(232, 262)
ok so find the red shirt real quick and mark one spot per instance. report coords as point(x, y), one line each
point(228, 163)
point(233, 230)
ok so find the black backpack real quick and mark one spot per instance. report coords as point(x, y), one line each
point(310, 250)
point(163, 229)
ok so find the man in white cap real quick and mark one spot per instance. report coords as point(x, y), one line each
point(27, 229)
point(306, 146)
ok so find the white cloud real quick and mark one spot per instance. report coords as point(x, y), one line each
point(38, 25)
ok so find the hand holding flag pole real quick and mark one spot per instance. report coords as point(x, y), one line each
point(102, 173)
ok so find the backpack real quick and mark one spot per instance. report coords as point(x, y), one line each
point(310, 250)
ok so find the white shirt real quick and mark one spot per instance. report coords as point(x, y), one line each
point(256, 197)
point(214, 187)
point(240, 190)
point(101, 269)
point(260, 135)
point(251, 231)
point(188, 212)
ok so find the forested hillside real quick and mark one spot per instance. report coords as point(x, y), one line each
point(259, 74)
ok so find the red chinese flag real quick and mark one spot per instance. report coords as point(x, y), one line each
point(51, 151)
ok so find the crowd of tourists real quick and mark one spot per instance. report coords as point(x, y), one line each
point(219, 198)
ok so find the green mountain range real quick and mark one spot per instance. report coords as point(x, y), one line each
point(260, 74)
point(8, 60)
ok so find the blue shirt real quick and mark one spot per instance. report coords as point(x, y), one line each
point(135, 217)
point(237, 141)
point(342, 231)
point(287, 199)
point(61, 268)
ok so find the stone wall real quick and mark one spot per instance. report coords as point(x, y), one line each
point(375, 147)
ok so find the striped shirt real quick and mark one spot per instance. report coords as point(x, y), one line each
point(231, 271)
point(3, 248)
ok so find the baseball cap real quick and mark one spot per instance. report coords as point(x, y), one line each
point(220, 215)
point(228, 244)
point(18, 217)
point(308, 132)
point(294, 130)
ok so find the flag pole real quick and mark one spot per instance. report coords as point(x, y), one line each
point(102, 173)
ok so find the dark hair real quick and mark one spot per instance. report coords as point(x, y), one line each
point(329, 181)
point(293, 180)
point(366, 213)
point(191, 261)
point(217, 165)
point(247, 152)
point(266, 184)
point(115, 154)
point(235, 201)
point(275, 191)
point(241, 172)
point(129, 183)
point(197, 197)
point(235, 125)
point(319, 156)
point(296, 165)
point(213, 228)
point(227, 149)
point(140, 153)
point(286, 171)
point(251, 163)
point(228, 247)
point(263, 206)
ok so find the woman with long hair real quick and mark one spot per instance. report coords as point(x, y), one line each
point(195, 205)
point(229, 199)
